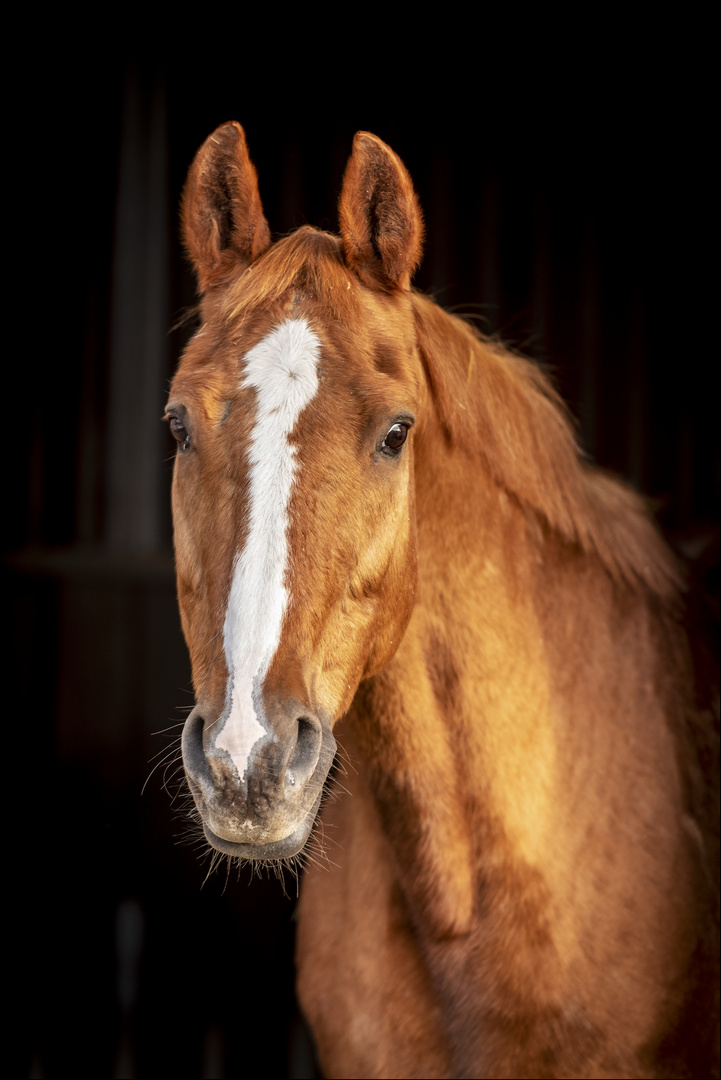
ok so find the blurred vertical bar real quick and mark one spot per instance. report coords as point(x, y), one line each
point(139, 320)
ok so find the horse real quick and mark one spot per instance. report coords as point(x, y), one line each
point(388, 542)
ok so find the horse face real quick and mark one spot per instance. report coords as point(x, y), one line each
point(293, 409)
point(295, 547)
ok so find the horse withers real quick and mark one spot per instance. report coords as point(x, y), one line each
point(386, 540)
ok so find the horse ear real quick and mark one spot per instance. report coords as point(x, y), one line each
point(222, 216)
point(380, 219)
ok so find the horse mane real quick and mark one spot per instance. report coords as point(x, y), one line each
point(502, 408)
point(491, 404)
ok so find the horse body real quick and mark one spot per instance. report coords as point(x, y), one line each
point(524, 788)
point(385, 536)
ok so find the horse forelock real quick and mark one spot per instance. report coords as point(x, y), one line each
point(308, 262)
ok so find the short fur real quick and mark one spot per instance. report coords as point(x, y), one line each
point(524, 876)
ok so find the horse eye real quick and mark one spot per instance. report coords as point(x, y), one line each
point(395, 438)
point(179, 433)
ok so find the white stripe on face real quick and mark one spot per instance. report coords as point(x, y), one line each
point(282, 369)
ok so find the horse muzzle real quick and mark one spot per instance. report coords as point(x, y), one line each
point(268, 812)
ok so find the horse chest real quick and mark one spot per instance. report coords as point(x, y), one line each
point(362, 981)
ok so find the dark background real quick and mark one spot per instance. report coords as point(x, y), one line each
point(566, 191)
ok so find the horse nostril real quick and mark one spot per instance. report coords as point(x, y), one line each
point(194, 758)
point(305, 754)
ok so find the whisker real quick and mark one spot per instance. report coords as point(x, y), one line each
point(173, 726)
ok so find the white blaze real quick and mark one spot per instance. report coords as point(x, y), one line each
point(282, 369)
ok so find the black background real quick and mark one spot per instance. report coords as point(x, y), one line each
point(565, 184)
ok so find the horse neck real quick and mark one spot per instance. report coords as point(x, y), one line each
point(482, 735)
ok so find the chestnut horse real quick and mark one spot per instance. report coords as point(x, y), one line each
point(386, 535)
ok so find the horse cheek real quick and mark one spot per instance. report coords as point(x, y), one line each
point(187, 566)
point(195, 566)
point(396, 599)
point(193, 611)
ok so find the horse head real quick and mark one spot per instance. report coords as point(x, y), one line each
point(293, 494)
